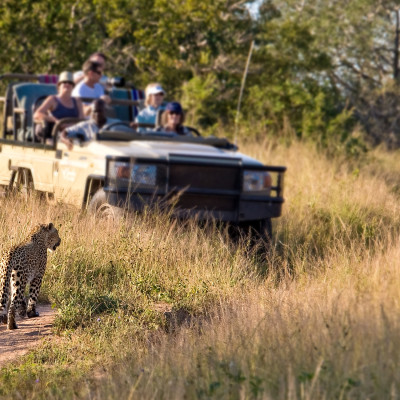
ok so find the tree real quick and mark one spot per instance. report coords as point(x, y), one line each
point(46, 35)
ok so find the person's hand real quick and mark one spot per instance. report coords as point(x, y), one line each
point(69, 144)
point(134, 125)
point(106, 98)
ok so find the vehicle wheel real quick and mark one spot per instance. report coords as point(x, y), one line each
point(23, 184)
point(263, 229)
point(256, 231)
point(100, 208)
point(96, 201)
point(50, 198)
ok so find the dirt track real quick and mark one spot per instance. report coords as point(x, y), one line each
point(14, 344)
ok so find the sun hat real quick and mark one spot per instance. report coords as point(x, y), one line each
point(155, 89)
point(66, 76)
point(174, 107)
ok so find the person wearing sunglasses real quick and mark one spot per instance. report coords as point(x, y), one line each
point(154, 103)
point(96, 57)
point(56, 107)
point(90, 87)
point(172, 119)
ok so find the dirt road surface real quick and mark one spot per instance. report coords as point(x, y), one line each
point(14, 344)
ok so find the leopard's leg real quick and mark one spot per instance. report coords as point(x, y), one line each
point(6, 301)
point(22, 307)
point(4, 317)
point(34, 289)
point(18, 283)
point(5, 271)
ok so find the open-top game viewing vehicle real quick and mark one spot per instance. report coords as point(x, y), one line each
point(206, 177)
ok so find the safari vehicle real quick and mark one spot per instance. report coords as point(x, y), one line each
point(200, 176)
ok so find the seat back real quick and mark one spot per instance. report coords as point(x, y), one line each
point(160, 112)
point(24, 97)
point(122, 112)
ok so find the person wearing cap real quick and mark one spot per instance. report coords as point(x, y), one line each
point(172, 119)
point(59, 106)
point(154, 102)
point(90, 87)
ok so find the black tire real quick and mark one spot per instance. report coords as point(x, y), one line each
point(100, 208)
point(26, 183)
point(96, 201)
point(263, 229)
point(255, 231)
point(22, 185)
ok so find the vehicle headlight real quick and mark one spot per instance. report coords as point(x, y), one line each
point(256, 181)
point(119, 170)
point(144, 174)
point(126, 175)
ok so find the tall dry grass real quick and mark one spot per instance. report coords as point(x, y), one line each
point(324, 321)
point(317, 318)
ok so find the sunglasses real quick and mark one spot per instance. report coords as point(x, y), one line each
point(66, 83)
point(159, 94)
point(97, 72)
point(174, 113)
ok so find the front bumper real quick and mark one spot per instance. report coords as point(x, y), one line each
point(223, 208)
point(201, 187)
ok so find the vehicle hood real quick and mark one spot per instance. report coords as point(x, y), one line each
point(163, 149)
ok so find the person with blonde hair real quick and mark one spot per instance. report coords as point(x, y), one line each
point(154, 102)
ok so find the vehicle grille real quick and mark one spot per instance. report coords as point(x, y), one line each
point(202, 186)
point(204, 177)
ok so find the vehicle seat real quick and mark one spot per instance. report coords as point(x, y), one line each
point(24, 97)
point(37, 127)
point(8, 111)
point(122, 112)
point(159, 118)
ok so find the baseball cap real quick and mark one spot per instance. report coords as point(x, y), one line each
point(174, 107)
point(155, 89)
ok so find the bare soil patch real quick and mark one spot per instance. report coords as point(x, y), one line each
point(18, 342)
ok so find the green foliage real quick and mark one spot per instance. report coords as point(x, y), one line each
point(312, 62)
point(207, 100)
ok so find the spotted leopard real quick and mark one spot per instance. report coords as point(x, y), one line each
point(25, 263)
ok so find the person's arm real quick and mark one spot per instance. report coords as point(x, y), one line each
point(43, 112)
point(87, 109)
point(79, 104)
point(66, 140)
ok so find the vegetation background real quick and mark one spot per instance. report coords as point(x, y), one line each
point(326, 70)
point(151, 308)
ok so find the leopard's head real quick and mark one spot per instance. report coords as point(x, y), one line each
point(48, 235)
point(53, 240)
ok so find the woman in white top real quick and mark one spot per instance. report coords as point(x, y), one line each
point(154, 102)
